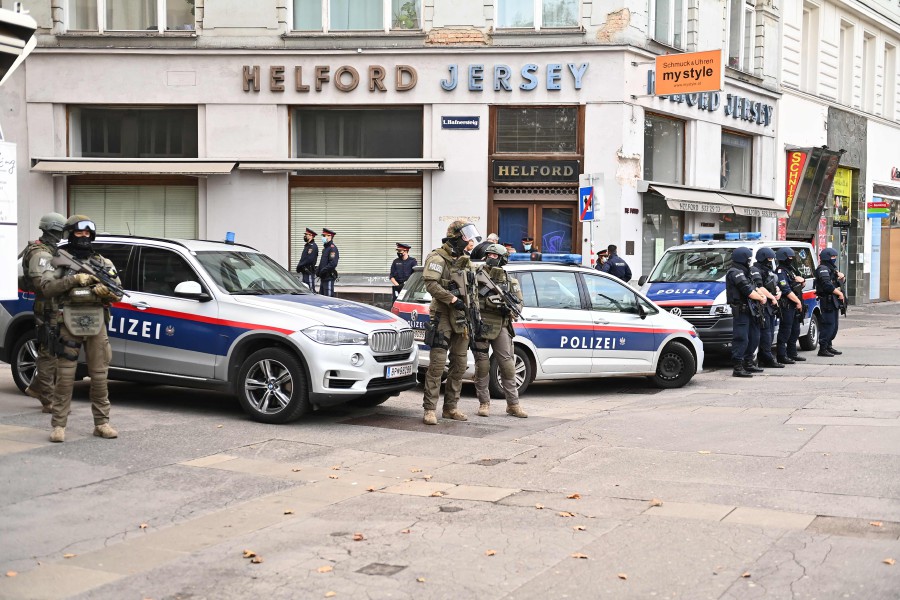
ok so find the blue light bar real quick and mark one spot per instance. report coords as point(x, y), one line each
point(753, 235)
point(567, 259)
point(730, 236)
point(691, 237)
point(706, 237)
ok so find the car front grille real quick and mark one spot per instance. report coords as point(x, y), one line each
point(690, 311)
point(382, 358)
point(380, 382)
point(390, 341)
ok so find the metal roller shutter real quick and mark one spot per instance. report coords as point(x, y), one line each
point(369, 222)
point(150, 210)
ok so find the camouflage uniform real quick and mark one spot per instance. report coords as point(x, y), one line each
point(37, 257)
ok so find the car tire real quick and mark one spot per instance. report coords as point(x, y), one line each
point(524, 374)
point(810, 341)
point(24, 359)
point(370, 401)
point(675, 367)
point(275, 375)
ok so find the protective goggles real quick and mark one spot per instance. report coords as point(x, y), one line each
point(84, 226)
point(470, 233)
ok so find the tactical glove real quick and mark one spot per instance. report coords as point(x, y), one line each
point(83, 280)
point(104, 293)
point(459, 305)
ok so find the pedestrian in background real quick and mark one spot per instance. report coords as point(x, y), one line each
point(308, 259)
point(401, 268)
point(528, 245)
point(35, 260)
point(615, 265)
point(831, 297)
point(84, 302)
point(327, 270)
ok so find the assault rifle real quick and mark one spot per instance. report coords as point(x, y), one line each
point(470, 315)
point(510, 302)
point(756, 311)
point(92, 266)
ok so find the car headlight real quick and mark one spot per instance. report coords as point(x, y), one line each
point(334, 336)
point(721, 309)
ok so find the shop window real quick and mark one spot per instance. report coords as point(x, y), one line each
point(731, 223)
point(133, 132)
point(358, 133)
point(537, 14)
point(537, 130)
point(736, 162)
point(356, 15)
point(150, 210)
point(130, 15)
point(740, 35)
point(662, 228)
point(551, 225)
point(663, 149)
point(668, 22)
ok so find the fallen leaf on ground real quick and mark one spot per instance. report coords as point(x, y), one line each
point(256, 560)
point(143, 526)
point(889, 561)
point(330, 594)
point(325, 569)
point(11, 573)
point(746, 574)
point(437, 494)
point(574, 496)
point(579, 528)
point(414, 470)
point(622, 576)
point(876, 523)
point(579, 555)
point(295, 470)
point(566, 513)
point(405, 531)
point(219, 426)
point(655, 502)
point(358, 537)
point(69, 555)
point(490, 552)
point(539, 506)
point(249, 553)
point(336, 468)
point(801, 429)
point(703, 452)
point(420, 579)
point(288, 512)
point(407, 480)
point(370, 489)
point(427, 477)
point(333, 477)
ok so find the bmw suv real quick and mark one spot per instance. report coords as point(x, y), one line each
point(225, 316)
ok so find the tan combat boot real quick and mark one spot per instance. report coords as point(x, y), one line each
point(429, 418)
point(105, 431)
point(516, 411)
point(454, 414)
point(32, 392)
point(58, 434)
point(484, 409)
point(47, 408)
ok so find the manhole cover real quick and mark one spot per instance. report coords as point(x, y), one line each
point(450, 509)
point(381, 569)
point(488, 462)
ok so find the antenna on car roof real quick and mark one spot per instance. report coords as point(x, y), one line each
point(129, 228)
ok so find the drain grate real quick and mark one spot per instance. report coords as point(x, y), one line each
point(381, 569)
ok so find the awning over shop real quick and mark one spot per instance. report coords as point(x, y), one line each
point(406, 165)
point(714, 201)
point(107, 166)
point(885, 191)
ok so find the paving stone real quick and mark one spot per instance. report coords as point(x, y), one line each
point(764, 517)
point(419, 488)
point(126, 558)
point(12, 446)
point(53, 582)
point(690, 510)
point(481, 493)
point(208, 461)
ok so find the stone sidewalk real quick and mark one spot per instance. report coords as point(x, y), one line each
point(783, 486)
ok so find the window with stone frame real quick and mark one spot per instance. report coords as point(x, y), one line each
point(130, 15)
point(536, 14)
point(741, 34)
point(668, 20)
point(356, 15)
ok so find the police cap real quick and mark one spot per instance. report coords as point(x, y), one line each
point(311, 232)
point(325, 230)
point(402, 246)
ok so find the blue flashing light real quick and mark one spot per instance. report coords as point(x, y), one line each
point(753, 235)
point(691, 237)
point(732, 236)
point(567, 259)
point(706, 237)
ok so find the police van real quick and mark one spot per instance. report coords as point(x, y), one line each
point(225, 316)
point(577, 323)
point(689, 281)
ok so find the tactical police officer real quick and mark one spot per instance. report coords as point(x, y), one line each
point(496, 290)
point(327, 271)
point(478, 251)
point(446, 279)
point(765, 268)
point(308, 259)
point(828, 290)
point(84, 303)
point(528, 245)
point(35, 259)
point(615, 266)
point(401, 268)
point(740, 291)
point(791, 284)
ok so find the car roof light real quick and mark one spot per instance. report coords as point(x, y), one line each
point(566, 259)
point(753, 235)
point(706, 237)
point(691, 237)
point(731, 236)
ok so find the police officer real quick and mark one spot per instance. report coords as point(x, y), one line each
point(765, 270)
point(615, 266)
point(602, 257)
point(84, 302)
point(36, 257)
point(496, 332)
point(791, 284)
point(445, 270)
point(510, 249)
point(828, 290)
point(739, 291)
point(308, 259)
point(479, 250)
point(401, 268)
point(528, 245)
point(327, 271)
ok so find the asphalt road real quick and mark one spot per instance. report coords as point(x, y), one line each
point(783, 486)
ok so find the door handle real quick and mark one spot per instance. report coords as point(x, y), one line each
point(533, 318)
point(600, 321)
point(140, 305)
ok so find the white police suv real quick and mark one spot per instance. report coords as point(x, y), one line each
point(578, 323)
point(225, 316)
point(689, 281)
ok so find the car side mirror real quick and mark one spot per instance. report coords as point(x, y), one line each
point(640, 307)
point(191, 289)
point(643, 279)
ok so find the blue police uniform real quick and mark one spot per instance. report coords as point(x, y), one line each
point(755, 326)
point(307, 264)
point(738, 287)
point(327, 271)
point(617, 267)
point(826, 283)
point(401, 270)
point(791, 317)
point(767, 332)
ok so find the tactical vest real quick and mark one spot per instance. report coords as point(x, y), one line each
point(45, 309)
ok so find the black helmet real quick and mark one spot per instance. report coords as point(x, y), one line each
point(764, 254)
point(80, 245)
point(784, 255)
point(741, 256)
point(828, 254)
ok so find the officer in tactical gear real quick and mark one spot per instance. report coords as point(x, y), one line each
point(306, 266)
point(35, 259)
point(764, 269)
point(479, 250)
point(327, 271)
point(828, 290)
point(739, 291)
point(791, 284)
point(445, 270)
point(497, 331)
point(84, 303)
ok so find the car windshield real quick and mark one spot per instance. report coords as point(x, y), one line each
point(695, 264)
point(252, 273)
point(414, 289)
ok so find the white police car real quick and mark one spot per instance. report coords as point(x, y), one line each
point(689, 281)
point(225, 316)
point(578, 323)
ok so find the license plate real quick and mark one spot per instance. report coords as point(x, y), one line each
point(419, 335)
point(398, 371)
